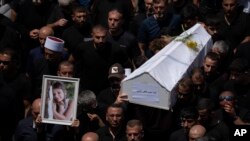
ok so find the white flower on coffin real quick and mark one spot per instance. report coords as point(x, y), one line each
point(186, 39)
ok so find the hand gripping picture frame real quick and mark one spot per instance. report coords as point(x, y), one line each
point(59, 99)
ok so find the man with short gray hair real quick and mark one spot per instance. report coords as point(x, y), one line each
point(88, 113)
point(134, 130)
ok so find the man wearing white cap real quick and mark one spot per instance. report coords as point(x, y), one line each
point(38, 52)
point(53, 55)
point(53, 48)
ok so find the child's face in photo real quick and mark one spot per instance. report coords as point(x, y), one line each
point(58, 94)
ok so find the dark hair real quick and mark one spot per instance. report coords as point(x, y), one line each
point(15, 57)
point(60, 85)
point(158, 1)
point(186, 83)
point(213, 56)
point(117, 10)
point(134, 122)
point(189, 112)
point(139, 60)
point(195, 70)
point(99, 27)
point(157, 44)
point(239, 65)
point(78, 8)
point(205, 103)
point(231, 91)
point(190, 12)
point(115, 105)
point(212, 20)
point(65, 63)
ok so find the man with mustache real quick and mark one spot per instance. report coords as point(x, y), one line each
point(81, 28)
point(234, 23)
point(93, 59)
point(117, 34)
point(160, 23)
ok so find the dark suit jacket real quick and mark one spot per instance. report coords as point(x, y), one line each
point(26, 132)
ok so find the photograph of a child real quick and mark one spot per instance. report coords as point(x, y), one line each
point(59, 101)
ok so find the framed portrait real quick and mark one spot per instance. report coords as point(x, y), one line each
point(59, 99)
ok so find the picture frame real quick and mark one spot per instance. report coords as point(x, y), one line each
point(59, 99)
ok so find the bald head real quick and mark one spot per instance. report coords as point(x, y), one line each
point(196, 132)
point(90, 136)
point(36, 107)
point(46, 30)
point(36, 103)
point(43, 33)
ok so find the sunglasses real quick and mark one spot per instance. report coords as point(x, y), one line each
point(227, 98)
point(5, 62)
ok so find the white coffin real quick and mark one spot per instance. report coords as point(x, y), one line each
point(152, 84)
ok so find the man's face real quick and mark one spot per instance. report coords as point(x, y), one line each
point(148, 5)
point(134, 133)
point(211, 30)
point(35, 111)
point(209, 66)
point(229, 6)
point(234, 75)
point(52, 56)
point(114, 116)
point(226, 98)
point(204, 115)
point(66, 71)
point(99, 37)
point(114, 21)
point(5, 61)
point(159, 9)
point(79, 17)
point(198, 80)
point(42, 37)
point(115, 84)
point(183, 94)
point(187, 123)
point(189, 23)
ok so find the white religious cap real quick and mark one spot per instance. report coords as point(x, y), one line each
point(6, 10)
point(54, 44)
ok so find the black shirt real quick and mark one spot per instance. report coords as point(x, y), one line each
point(92, 65)
point(104, 135)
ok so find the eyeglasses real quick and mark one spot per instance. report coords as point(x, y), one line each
point(227, 98)
point(5, 62)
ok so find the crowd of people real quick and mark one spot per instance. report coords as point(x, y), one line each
point(96, 40)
